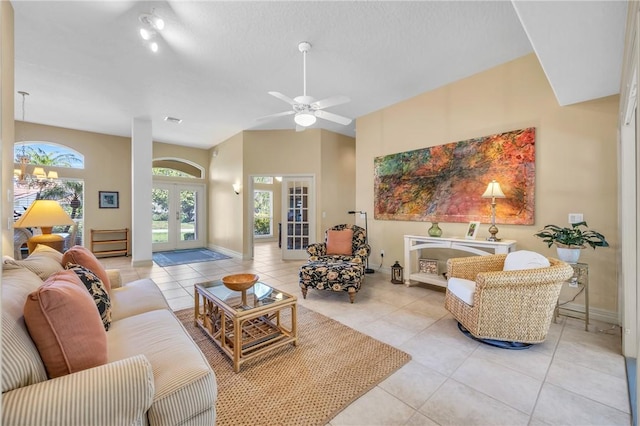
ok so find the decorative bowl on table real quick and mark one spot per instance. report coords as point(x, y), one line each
point(240, 282)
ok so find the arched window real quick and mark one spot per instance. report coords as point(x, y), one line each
point(175, 167)
point(47, 154)
point(36, 176)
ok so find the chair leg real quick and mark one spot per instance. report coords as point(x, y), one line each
point(352, 297)
point(304, 292)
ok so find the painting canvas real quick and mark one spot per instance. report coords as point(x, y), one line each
point(445, 183)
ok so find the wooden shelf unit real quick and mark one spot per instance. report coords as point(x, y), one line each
point(111, 241)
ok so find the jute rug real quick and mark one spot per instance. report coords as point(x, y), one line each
point(304, 385)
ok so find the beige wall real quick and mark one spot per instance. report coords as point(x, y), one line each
point(575, 158)
point(107, 167)
point(7, 92)
point(337, 181)
point(326, 156)
point(226, 212)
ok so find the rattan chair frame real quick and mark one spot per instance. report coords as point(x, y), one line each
point(513, 306)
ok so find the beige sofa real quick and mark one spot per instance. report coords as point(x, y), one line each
point(155, 374)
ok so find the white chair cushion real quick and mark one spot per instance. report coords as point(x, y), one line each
point(524, 259)
point(463, 289)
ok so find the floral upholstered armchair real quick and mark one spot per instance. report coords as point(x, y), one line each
point(359, 248)
point(338, 263)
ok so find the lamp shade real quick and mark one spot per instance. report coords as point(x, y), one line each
point(43, 214)
point(493, 190)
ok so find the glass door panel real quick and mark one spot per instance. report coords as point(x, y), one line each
point(160, 216)
point(177, 213)
point(299, 226)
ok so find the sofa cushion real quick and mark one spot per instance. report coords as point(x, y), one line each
point(524, 259)
point(48, 252)
point(41, 263)
point(64, 324)
point(97, 291)
point(463, 289)
point(340, 242)
point(21, 363)
point(83, 256)
point(135, 298)
point(182, 376)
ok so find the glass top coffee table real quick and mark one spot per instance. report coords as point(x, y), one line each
point(245, 329)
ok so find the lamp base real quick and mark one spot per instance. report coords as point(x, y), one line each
point(54, 241)
point(493, 230)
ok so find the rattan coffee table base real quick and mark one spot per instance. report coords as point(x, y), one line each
point(241, 333)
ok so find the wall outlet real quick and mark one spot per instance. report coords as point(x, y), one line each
point(381, 253)
point(575, 218)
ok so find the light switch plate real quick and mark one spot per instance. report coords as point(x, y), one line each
point(575, 218)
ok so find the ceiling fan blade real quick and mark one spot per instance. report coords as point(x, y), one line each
point(333, 117)
point(283, 97)
point(280, 114)
point(329, 102)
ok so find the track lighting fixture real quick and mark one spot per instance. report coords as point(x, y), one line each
point(151, 24)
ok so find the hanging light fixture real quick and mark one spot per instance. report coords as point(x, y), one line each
point(39, 178)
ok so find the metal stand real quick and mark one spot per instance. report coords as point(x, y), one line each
point(367, 270)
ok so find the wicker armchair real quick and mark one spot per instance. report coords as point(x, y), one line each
point(512, 306)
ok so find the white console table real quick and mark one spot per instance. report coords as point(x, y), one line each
point(418, 242)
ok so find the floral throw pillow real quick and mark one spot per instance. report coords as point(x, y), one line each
point(96, 289)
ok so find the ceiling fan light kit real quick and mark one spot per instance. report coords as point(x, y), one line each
point(304, 119)
point(306, 108)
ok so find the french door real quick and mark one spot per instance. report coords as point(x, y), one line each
point(178, 216)
point(298, 216)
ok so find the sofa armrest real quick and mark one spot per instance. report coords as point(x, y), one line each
point(117, 393)
point(115, 278)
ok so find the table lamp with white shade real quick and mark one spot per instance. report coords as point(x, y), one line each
point(493, 191)
point(44, 214)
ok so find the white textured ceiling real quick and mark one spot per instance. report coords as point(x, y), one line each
point(87, 68)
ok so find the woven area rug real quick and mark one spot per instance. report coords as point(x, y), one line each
point(180, 257)
point(303, 385)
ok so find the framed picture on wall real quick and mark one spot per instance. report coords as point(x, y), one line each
point(108, 199)
point(428, 266)
point(472, 230)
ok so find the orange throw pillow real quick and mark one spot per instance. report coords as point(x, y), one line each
point(65, 325)
point(339, 242)
point(82, 256)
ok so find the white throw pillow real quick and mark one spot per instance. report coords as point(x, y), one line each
point(463, 289)
point(524, 259)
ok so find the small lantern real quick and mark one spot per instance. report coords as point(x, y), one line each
point(397, 276)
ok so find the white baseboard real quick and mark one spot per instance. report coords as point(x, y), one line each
point(141, 263)
point(609, 317)
point(224, 250)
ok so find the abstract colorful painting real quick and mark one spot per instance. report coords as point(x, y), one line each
point(445, 183)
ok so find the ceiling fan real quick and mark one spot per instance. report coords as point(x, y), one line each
point(306, 108)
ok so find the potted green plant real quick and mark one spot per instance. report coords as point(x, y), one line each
point(569, 241)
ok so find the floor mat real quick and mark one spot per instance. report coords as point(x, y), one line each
point(181, 257)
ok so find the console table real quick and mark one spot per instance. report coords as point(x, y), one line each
point(418, 242)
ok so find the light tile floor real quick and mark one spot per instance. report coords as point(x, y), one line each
point(573, 378)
